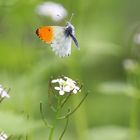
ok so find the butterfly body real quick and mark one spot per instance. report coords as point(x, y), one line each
point(59, 38)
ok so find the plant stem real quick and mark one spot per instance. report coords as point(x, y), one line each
point(77, 105)
point(134, 119)
point(63, 103)
point(65, 128)
point(55, 120)
point(135, 109)
point(42, 116)
point(51, 133)
point(52, 129)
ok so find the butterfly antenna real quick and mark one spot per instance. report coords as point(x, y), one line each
point(71, 17)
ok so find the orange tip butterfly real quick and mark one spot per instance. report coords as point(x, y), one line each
point(59, 38)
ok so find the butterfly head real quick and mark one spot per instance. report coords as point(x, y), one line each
point(69, 32)
point(69, 29)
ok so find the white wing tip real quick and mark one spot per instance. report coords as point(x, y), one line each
point(63, 54)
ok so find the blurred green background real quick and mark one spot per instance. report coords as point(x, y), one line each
point(107, 33)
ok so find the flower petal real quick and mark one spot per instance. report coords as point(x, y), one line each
point(61, 92)
point(61, 81)
point(3, 136)
point(55, 81)
point(57, 88)
point(67, 88)
point(4, 94)
point(1, 89)
point(77, 88)
point(70, 80)
point(74, 91)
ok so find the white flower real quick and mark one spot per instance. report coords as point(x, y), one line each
point(66, 85)
point(3, 93)
point(60, 89)
point(53, 10)
point(137, 38)
point(55, 81)
point(3, 136)
point(76, 89)
point(69, 80)
point(130, 64)
point(60, 81)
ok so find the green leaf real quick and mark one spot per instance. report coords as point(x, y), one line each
point(117, 88)
point(16, 124)
point(108, 133)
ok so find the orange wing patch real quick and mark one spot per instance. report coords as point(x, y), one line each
point(45, 33)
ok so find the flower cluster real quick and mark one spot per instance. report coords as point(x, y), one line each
point(130, 65)
point(3, 136)
point(3, 93)
point(66, 85)
point(53, 10)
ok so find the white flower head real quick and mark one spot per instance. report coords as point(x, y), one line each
point(137, 38)
point(3, 93)
point(67, 85)
point(53, 10)
point(130, 64)
point(3, 136)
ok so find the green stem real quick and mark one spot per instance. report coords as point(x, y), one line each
point(78, 105)
point(74, 110)
point(52, 129)
point(65, 128)
point(134, 119)
point(51, 133)
point(42, 116)
point(55, 120)
point(66, 99)
point(134, 110)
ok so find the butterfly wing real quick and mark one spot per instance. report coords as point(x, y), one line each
point(46, 34)
point(61, 43)
point(55, 36)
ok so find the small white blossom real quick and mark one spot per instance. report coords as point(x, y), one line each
point(69, 80)
point(3, 136)
point(53, 10)
point(137, 38)
point(60, 89)
point(55, 81)
point(66, 85)
point(3, 93)
point(76, 89)
point(130, 64)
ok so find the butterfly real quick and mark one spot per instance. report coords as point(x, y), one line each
point(59, 38)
